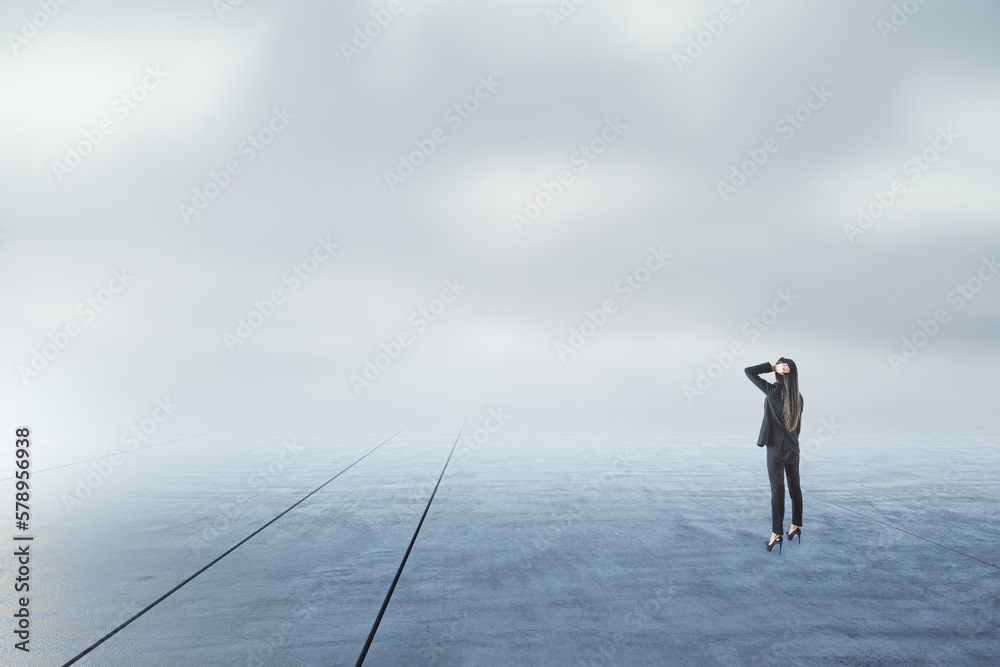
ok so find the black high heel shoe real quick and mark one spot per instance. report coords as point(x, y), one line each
point(795, 533)
point(770, 545)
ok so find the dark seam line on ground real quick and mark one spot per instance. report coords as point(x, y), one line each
point(876, 470)
point(226, 553)
point(944, 546)
point(385, 603)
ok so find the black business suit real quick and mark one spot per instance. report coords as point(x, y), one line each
point(782, 449)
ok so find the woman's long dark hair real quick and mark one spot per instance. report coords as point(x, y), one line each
point(792, 399)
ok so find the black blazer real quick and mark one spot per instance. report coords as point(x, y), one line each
point(772, 430)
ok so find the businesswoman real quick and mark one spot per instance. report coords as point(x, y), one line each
point(780, 434)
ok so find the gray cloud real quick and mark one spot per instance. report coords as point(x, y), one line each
point(656, 185)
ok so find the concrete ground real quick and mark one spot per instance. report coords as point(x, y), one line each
point(540, 548)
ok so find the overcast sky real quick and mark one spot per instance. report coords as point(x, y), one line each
point(833, 100)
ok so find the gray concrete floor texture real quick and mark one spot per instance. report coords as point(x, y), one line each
point(540, 548)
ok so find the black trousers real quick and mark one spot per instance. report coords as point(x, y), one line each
point(781, 464)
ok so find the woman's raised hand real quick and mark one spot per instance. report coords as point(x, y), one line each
point(781, 369)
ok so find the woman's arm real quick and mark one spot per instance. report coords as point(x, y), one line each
point(753, 372)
